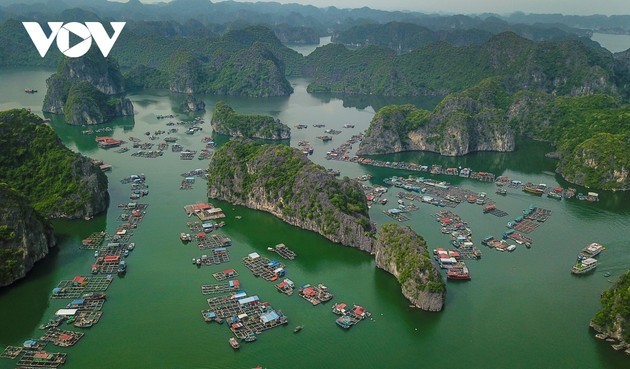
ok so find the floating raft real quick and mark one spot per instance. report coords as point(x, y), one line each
point(213, 241)
point(284, 251)
point(260, 266)
point(246, 316)
point(315, 295)
point(526, 226)
point(62, 338)
point(349, 317)
point(226, 274)
point(72, 289)
point(498, 213)
point(539, 215)
point(86, 319)
point(41, 359)
point(93, 241)
point(11, 352)
point(218, 256)
point(213, 289)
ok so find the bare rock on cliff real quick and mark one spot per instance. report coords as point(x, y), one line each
point(402, 252)
point(280, 180)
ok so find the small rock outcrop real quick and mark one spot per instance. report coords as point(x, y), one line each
point(87, 90)
point(403, 253)
point(280, 180)
point(192, 104)
point(25, 236)
point(227, 122)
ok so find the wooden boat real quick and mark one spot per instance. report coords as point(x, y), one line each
point(234, 343)
point(297, 329)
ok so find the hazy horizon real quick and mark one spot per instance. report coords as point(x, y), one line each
point(567, 7)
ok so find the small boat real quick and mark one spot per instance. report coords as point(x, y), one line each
point(185, 237)
point(607, 274)
point(234, 343)
point(126, 253)
point(122, 267)
point(297, 329)
point(131, 246)
point(511, 248)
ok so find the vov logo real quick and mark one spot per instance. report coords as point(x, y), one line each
point(61, 32)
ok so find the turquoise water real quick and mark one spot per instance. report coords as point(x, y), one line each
point(521, 309)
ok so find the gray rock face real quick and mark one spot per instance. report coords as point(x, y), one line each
point(87, 91)
point(401, 252)
point(25, 237)
point(192, 104)
point(305, 203)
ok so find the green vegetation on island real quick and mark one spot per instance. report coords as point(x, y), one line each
point(228, 122)
point(25, 236)
point(590, 132)
point(58, 182)
point(561, 67)
point(404, 253)
point(614, 317)
point(280, 180)
point(87, 90)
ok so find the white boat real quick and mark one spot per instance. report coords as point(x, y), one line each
point(511, 248)
point(584, 266)
point(592, 250)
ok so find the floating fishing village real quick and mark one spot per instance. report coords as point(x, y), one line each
point(246, 315)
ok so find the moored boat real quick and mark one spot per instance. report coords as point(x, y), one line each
point(584, 266)
point(234, 343)
point(458, 271)
point(592, 250)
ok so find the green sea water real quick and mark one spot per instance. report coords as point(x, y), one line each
point(521, 310)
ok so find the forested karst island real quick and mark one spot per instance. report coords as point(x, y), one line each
point(280, 180)
point(40, 179)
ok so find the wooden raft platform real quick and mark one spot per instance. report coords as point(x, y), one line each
point(213, 289)
point(86, 319)
point(226, 274)
point(93, 241)
point(526, 226)
point(498, 213)
point(69, 289)
point(261, 266)
point(62, 338)
point(246, 317)
point(213, 241)
point(539, 215)
point(11, 352)
point(41, 359)
point(218, 256)
point(315, 294)
point(284, 251)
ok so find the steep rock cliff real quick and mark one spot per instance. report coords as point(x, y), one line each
point(403, 253)
point(614, 317)
point(58, 182)
point(474, 120)
point(226, 121)
point(87, 90)
point(192, 104)
point(25, 237)
point(602, 161)
point(282, 181)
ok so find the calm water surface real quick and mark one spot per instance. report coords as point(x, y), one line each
point(614, 43)
point(521, 310)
